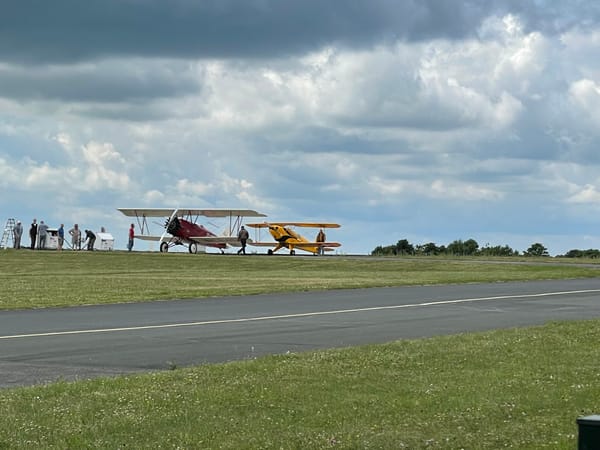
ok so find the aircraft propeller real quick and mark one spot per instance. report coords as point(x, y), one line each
point(172, 225)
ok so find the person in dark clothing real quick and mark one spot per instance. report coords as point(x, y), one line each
point(90, 238)
point(33, 233)
point(321, 238)
point(243, 238)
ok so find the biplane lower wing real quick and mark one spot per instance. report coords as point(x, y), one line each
point(145, 237)
point(318, 244)
point(229, 240)
point(297, 244)
point(263, 244)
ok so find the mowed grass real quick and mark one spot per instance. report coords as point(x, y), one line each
point(32, 279)
point(519, 388)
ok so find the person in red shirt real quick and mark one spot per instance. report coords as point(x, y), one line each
point(131, 236)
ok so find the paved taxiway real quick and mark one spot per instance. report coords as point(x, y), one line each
point(44, 345)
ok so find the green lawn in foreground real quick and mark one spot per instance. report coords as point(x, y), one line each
point(32, 279)
point(519, 389)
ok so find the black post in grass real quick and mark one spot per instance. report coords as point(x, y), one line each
point(589, 432)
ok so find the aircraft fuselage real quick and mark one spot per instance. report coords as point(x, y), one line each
point(186, 230)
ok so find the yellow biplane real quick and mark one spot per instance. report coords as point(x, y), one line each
point(286, 237)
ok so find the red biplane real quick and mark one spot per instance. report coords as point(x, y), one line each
point(181, 227)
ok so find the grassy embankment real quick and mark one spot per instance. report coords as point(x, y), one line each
point(43, 279)
point(519, 388)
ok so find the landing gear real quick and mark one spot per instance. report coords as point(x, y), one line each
point(270, 251)
point(164, 247)
point(292, 252)
point(193, 248)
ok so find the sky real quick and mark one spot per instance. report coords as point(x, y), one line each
point(424, 120)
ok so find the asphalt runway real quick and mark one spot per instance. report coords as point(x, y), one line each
point(45, 345)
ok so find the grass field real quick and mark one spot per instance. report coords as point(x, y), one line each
point(520, 388)
point(32, 279)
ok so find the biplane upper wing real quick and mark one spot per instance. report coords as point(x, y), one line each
point(222, 212)
point(147, 212)
point(164, 212)
point(295, 224)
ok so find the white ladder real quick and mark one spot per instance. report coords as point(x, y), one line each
point(8, 235)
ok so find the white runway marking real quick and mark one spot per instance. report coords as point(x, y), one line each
point(296, 315)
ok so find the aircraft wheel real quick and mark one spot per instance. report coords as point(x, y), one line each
point(270, 252)
point(164, 247)
point(292, 252)
point(193, 248)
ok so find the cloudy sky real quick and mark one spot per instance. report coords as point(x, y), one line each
point(426, 120)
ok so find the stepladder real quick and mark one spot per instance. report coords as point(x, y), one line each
point(8, 236)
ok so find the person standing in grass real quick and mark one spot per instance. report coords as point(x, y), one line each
point(17, 233)
point(131, 236)
point(75, 233)
point(243, 238)
point(33, 230)
point(321, 238)
point(42, 235)
point(61, 237)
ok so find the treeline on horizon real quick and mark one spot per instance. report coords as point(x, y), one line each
point(470, 247)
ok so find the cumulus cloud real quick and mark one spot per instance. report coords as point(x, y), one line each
point(154, 197)
point(9, 178)
point(104, 169)
point(585, 94)
point(188, 187)
point(437, 189)
point(95, 167)
point(588, 194)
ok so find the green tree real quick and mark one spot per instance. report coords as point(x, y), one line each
point(471, 247)
point(403, 247)
point(461, 248)
point(498, 251)
point(377, 251)
point(430, 249)
point(537, 249)
point(388, 250)
point(590, 253)
point(456, 247)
